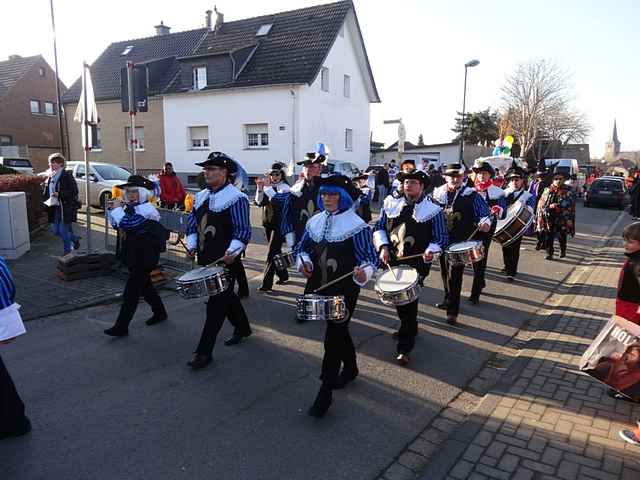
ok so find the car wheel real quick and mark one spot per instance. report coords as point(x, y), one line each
point(104, 198)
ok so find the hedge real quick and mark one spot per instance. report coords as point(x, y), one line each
point(32, 186)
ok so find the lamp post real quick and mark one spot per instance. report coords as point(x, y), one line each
point(470, 63)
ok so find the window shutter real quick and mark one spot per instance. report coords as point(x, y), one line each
point(199, 133)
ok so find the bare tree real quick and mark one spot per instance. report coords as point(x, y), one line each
point(536, 103)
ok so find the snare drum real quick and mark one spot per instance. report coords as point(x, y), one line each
point(519, 218)
point(319, 307)
point(465, 253)
point(203, 282)
point(398, 286)
point(283, 261)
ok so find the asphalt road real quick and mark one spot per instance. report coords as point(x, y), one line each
point(130, 408)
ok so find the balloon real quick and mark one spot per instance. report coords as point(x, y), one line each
point(508, 140)
point(496, 151)
point(506, 150)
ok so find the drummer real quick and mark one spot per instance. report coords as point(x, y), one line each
point(515, 192)
point(362, 205)
point(536, 188)
point(336, 242)
point(219, 228)
point(495, 197)
point(463, 210)
point(266, 192)
point(410, 225)
point(407, 166)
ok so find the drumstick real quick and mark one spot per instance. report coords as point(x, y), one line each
point(220, 259)
point(336, 280)
point(474, 232)
point(392, 272)
point(417, 255)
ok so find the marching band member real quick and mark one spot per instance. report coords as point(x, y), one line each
point(13, 421)
point(536, 188)
point(143, 240)
point(362, 205)
point(515, 192)
point(495, 198)
point(409, 225)
point(266, 192)
point(463, 209)
point(335, 242)
point(300, 204)
point(219, 227)
point(406, 166)
point(556, 214)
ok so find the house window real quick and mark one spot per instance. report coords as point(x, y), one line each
point(324, 79)
point(257, 135)
point(198, 138)
point(35, 106)
point(6, 140)
point(126, 50)
point(49, 108)
point(264, 30)
point(348, 140)
point(96, 138)
point(139, 138)
point(347, 86)
point(41, 71)
point(199, 77)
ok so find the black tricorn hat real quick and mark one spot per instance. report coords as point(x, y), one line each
point(542, 168)
point(408, 160)
point(454, 169)
point(219, 159)
point(341, 181)
point(277, 167)
point(483, 166)
point(415, 175)
point(312, 157)
point(364, 176)
point(514, 171)
point(137, 181)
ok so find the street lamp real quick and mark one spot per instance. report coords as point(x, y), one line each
point(469, 64)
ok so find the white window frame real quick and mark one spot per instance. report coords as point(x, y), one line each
point(3, 142)
point(348, 140)
point(33, 103)
point(127, 138)
point(256, 136)
point(202, 143)
point(53, 108)
point(324, 79)
point(199, 77)
point(346, 86)
point(264, 29)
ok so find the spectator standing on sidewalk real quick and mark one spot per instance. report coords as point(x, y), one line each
point(171, 190)
point(634, 193)
point(382, 182)
point(61, 198)
point(628, 294)
point(13, 421)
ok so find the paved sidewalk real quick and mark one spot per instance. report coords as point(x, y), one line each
point(550, 421)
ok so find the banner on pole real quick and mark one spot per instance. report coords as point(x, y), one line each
point(140, 89)
point(92, 109)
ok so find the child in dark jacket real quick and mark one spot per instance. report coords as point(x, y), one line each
point(628, 295)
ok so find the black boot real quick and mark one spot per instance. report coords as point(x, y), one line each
point(117, 331)
point(346, 377)
point(322, 403)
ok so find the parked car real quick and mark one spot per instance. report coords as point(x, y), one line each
point(102, 175)
point(20, 165)
point(610, 191)
point(344, 168)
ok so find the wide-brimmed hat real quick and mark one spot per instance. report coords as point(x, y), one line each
point(277, 167)
point(359, 178)
point(219, 159)
point(311, 158)
point(137, 181)
point(541, 169)
point(514, 171)
point(454, 169)
point(559, 172)
point(481, 165)
point(415, 175)
point(341, 181)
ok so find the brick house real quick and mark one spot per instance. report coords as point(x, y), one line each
point(28, 109)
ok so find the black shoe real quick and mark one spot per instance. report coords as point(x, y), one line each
point(396, 334)
point(116, 331)
point(156, 319)
point(563, 254)
point(538, 247)
point(300, 320)
point(282, 281)
point(265, 289)
point(321, 404)
point(474, 299)
point(452, 319)
point(199, 361)
point(345, 378)
point(76, 243)
point(22, 429)
point(235, 339)
point(549, 257)
point(510, 278)
point(442, 305)
point(403, 359)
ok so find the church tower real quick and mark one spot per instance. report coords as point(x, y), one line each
point(612, 147)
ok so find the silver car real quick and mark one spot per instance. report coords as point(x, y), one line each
point(103, 176)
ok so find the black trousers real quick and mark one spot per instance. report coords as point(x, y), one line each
point(408, 315)
point(139, 285)
point(452, 276)
point(275, 240)
point(338, 346)
point(12, 417)
point(239, 274)
point(480, 268)
point(550, 238)
point(511, 256)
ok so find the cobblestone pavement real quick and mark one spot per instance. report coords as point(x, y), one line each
point(542, 419)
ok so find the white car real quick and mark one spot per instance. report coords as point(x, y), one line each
point(20, 165)
point(103, 176)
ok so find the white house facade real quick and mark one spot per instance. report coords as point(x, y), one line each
point(438, 154)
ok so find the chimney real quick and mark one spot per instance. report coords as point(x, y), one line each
point(219, 20)
point(208, 19)
point(162, 29)
point(14, 57)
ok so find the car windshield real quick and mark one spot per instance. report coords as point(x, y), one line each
point(17, 162)
point(608, 185)
point(111, 172)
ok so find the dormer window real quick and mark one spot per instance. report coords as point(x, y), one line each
point(264, 30)
point(126, 50)
point(199, 77)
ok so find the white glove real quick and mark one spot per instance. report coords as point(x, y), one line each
point(290, 238)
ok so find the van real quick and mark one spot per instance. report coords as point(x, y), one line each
point(20, 165)
point(568, 166)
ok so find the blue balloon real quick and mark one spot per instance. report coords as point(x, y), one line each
point(496, 151)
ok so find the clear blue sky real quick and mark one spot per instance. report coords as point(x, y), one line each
point(417, 49)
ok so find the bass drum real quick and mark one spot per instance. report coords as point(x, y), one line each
point(519, 218)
